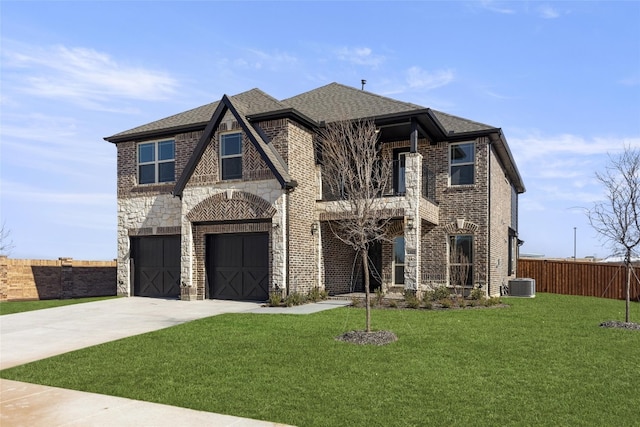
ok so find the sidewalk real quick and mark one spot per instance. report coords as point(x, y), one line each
point(31, 405)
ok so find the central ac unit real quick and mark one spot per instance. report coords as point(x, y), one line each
point(522, 288)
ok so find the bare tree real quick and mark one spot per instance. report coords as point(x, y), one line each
point(355, 174)
point(617, 217)
point(6, 244)
point(460, 270)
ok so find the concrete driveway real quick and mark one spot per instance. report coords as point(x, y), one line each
point(34, 335)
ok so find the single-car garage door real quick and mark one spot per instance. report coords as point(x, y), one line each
point(156, 264)
point(238, 266)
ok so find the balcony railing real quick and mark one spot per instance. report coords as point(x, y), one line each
point(428, 183)
point(397, 184)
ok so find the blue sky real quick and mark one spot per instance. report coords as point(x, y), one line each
point(562, 79)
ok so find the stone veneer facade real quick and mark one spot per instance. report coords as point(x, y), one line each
point(303, 251)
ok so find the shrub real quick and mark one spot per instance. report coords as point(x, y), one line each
point(379, 296)
point(355, 302)
point(294, 298)
point(438, 293)
point(411, 299)
point(446, 302)
point(477, 294)
point(315, 294)
point(428, 305)
point(275, 299)
point(393, 303)
point(492, 301)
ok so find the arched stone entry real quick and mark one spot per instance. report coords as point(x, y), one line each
point(252, 216)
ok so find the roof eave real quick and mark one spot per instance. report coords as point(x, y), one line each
point(498, 139)
point(158, 133)
point(290, 113)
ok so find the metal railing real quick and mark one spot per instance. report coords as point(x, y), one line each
point(396, 185)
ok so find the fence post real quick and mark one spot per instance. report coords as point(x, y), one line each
point(66, 278)
point(4, 278)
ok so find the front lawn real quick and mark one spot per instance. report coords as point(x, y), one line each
point(542, 362)
point(11, 307)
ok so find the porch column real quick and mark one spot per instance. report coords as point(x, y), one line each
point(188, 288)
point(412, 222)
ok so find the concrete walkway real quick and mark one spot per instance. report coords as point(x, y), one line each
point(26, 337)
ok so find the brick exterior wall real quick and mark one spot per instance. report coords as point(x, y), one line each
point(342, 271)
point(501, 220)
point(469, 203)
point(303, 243)
point(28, 279)
point(298, 224)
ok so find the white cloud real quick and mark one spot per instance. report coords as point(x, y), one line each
point(495, 6)
point(51, 143)
point(548, 12)
point(256, 59)
point(359, 56)
point(82, 75)
point(28, 194)
point(630, 81)
point(559, 170)
point(417, 78)
point(534, 145)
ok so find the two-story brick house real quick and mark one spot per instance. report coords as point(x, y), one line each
point(226, 200)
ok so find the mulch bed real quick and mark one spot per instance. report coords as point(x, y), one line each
point(621, 325)
point(371, 338)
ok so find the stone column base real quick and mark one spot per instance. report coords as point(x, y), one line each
point(188, 293)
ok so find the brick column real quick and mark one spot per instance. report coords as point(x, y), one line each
point(66, 278)
point(412, 223)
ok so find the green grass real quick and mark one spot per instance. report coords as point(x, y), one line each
point(11, 307)
point(542, 362)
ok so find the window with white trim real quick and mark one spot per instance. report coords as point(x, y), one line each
point(156, 162)
point(461, 261)
point(462, 163)
point(231, 156)
point(398, 260)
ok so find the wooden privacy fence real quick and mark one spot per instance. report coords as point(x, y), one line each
point(603, 280)
point(31, 279)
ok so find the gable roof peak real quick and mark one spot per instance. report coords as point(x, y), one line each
point(334, 102)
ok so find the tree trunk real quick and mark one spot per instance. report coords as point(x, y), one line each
point(628, 296)
point(367, 296)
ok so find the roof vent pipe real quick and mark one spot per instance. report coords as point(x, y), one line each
point(364, 82)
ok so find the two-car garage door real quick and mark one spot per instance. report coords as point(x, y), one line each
point(237, 266)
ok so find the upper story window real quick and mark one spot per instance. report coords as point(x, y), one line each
point(231, 156)
point(156, 162)
point(462, 163)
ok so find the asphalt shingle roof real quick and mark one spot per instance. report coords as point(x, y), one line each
point(335, 102)
point(253, 101)
point(328, 103)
